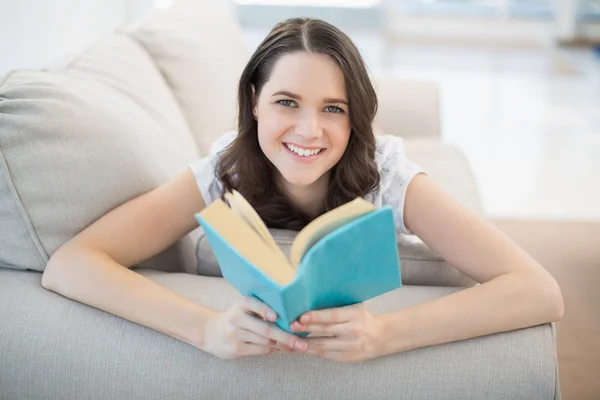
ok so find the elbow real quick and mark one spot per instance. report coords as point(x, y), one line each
point(48, 276)
point(559, 306)
point(54, 270)
point(552, 299)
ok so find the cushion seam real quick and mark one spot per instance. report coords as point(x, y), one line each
point(135, 39)
point(557, 393)
point(22, 211)
point(6, 76)
point(76, 58)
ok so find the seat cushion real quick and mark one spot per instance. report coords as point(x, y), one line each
point(79, 140)
point(200, 49)
point(55, 348)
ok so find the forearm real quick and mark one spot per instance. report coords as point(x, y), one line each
point(93, 278)
point(508, 302)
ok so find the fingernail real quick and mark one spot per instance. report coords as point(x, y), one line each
point(271, 315)
point(299, 345)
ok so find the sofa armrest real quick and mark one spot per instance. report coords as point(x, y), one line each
point(407, 108)
point(53, 347)
point(420, 266)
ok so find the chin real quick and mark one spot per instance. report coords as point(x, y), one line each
point(299, 178)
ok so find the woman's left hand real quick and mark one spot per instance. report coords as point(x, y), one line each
point(356, 333)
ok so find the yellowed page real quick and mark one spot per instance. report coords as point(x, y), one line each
point(244, 209)
point(326, 223)
point(248, 242)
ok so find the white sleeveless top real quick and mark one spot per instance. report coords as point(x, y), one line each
point(395, 170)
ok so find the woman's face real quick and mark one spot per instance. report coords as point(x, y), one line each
point(303, 117)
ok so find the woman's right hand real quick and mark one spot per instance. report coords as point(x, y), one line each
point(246, 329)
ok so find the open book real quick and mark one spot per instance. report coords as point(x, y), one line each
point(345, 256)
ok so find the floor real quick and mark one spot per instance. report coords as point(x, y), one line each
point(526, 117)
point(569, 251)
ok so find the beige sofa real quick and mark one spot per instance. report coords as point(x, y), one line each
point(122, 117)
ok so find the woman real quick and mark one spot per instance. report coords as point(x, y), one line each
point(305, 145)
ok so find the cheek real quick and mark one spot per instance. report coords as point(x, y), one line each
point(339, 137)
point(272, 125)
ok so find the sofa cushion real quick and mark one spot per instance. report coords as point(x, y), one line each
point(448, 167)
point(56, 348)
point(200, 49)
point(77, 141)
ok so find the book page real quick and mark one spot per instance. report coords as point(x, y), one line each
point(244, 209)
point(238, 235)
point(325, 224)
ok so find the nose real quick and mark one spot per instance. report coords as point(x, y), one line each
point(309, 127)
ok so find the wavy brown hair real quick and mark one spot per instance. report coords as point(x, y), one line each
point(244, 167)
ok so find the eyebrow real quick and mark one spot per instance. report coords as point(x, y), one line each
point(297, 97)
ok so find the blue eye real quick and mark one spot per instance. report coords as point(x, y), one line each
point(287, 103)
point(334, 109)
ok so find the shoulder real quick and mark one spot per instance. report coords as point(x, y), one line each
point(393, 163)
point(222, 142)
point(396, 171)
point(388, 150)
point(204, 168)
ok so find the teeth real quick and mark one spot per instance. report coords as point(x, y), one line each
point(303, 152)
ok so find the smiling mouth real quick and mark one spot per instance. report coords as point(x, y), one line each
point(303, 152)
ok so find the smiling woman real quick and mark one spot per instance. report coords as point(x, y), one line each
point(304, 145)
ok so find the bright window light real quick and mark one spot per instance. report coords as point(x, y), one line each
point(163, 3)
point(313, 3)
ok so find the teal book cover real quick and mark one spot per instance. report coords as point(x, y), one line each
point(351, 264)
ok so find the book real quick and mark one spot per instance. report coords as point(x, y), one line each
point(345, 256)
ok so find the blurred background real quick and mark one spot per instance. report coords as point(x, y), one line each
point(519, 79)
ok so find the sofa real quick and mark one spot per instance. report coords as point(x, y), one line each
point(124, 115)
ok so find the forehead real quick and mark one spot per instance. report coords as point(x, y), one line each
point(310, 75)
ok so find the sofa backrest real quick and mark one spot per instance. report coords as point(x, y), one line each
point(79, 140)
point(409, 108)
point(199, 48)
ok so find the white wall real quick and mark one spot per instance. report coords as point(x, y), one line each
point(34, 33)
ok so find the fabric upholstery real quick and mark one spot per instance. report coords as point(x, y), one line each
point(448, 167)
point(77, 141)
point(60, 349)
point(199, 48)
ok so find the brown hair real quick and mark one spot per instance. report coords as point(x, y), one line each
point(244, 167)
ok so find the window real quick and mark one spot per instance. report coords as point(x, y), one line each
point(590, 10)
point(542, 9)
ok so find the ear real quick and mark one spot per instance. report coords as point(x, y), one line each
point(254, 101)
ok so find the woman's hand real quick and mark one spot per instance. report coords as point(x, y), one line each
point(244, 330)
point(356, 333)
